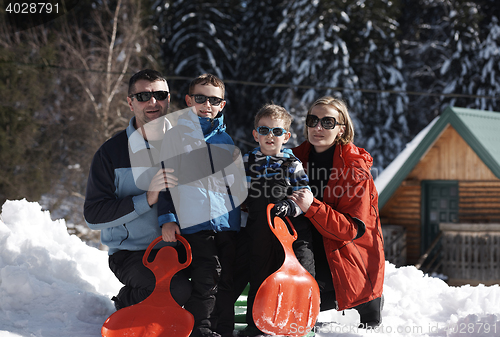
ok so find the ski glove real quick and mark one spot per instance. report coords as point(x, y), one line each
point(285, 208)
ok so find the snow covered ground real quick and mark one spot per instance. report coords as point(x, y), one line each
point(53, 284)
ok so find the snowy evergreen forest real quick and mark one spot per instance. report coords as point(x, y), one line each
point(397, 64)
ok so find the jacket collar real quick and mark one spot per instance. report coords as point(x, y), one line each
point(357, 159)
point(135, 139)
point(284, 153)
point(202, 125)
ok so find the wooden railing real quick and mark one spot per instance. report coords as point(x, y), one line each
point(394, 244)
point(471, 253)
point(431, 261)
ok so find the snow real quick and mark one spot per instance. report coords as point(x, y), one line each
point(52, 284)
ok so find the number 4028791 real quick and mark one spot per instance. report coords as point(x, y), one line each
point(32, 8)
point(473, 328)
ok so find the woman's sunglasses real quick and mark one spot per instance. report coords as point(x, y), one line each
point(276, 132)
point(327, 123)
point(200, 99)
point(146, 96)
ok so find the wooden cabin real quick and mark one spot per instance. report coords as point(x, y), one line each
point(443, 191)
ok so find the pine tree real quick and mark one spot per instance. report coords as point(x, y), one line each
point(197, 36)
point(375, 58)
point(472, 68)
point(336, 48)
point(256, 47)
point(312, 58)
point(440, 44)
point(488, 83)
point(458, 70)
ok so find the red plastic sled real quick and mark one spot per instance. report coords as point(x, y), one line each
point(287, 302)
point(159, 314)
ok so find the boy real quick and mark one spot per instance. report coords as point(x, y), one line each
point(204, 206)
point(272, 174)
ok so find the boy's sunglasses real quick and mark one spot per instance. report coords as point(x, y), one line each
point(327, 123)
point(146, 96)
point(200, 99)
point(276, 132)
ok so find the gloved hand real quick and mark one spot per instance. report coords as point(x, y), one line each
point(285, 208)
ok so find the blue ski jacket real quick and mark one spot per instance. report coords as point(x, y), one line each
point(210, 185)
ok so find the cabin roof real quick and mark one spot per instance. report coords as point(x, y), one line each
point(480, 129)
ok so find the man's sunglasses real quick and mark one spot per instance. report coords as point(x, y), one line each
point(200, 99)
point(327, 123)
point(146, 96)
point(276, 132)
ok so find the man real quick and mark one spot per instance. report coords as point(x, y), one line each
point(123, 188)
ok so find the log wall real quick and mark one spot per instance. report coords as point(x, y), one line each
point(449, 158)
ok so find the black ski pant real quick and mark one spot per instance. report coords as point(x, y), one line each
point(211, 272)
point(242, 264)
point(204, 272)
point(267, 254)
point(139, 281)
point(370, 312)
point(222, 319)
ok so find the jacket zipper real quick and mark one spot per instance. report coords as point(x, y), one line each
point(125, 225)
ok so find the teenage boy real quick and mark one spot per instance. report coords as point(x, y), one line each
point(204, 206)
point(272, 173)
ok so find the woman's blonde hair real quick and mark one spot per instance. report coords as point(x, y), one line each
point(348, 135)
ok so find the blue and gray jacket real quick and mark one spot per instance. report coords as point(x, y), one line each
point(114, 203)
point(211, 184)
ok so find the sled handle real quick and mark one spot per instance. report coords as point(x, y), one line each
point(280, 233)
point(179, 238)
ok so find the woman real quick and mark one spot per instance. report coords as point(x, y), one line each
point(343, 207)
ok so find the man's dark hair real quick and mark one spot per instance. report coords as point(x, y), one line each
point(146, 74)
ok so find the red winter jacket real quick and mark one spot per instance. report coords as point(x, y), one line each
point(349, 222)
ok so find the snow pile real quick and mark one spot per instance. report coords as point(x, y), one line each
point(419, 305)
point(52, 284)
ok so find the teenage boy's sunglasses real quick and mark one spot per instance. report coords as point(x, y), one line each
point(327, 123)
point(146, 96)
point(276, 132)
point(200, 99)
